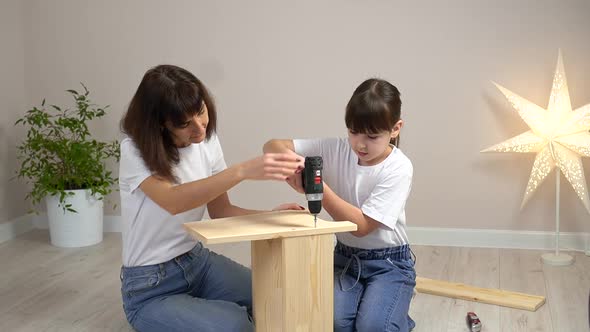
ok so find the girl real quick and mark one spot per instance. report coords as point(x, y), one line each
point(367, 181)
point(172, 168)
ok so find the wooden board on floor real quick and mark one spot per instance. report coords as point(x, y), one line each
point(484, 295)
point(264, 226)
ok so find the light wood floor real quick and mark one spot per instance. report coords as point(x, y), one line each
point(44, 288)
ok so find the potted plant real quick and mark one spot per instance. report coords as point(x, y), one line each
point(66, 167)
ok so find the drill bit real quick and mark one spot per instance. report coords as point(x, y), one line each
point(315, 220)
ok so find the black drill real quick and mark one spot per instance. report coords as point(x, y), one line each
point(313, 185)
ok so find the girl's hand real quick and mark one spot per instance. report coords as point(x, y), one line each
point(296, 182)
point(289, 206)
point(271, 166)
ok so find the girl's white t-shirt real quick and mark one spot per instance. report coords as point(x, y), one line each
point(151, 235)
point(380, 191)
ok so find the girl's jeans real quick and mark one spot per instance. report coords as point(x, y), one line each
point(373, 288)
point(196, 291)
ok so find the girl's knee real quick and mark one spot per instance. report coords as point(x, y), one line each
point(383, 323)
point(342, 324)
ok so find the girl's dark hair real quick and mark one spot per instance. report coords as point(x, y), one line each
point(375, 106)
point(166, 93)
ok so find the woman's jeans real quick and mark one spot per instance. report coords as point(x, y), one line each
point(196, 291)
point(373, 289)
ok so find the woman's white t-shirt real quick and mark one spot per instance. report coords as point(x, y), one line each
point(151, 235)
point(380, 191)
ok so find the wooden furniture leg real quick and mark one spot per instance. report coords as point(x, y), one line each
point(292, 283)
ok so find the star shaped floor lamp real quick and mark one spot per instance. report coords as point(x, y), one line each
point(560, 138)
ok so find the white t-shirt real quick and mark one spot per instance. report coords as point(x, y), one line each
point(380, 191)
point(151, 235)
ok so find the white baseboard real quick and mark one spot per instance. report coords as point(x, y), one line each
point(491, 238)
point(111, 224)
point(13, 228)
point(452, 237)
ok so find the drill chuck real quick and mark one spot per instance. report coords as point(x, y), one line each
point(315, 206)
point(313, 184)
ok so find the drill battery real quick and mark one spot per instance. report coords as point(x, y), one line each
point(473, 322)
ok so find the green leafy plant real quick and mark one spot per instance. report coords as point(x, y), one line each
point(59, 153)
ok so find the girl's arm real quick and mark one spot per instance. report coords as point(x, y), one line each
point(278, 146)
point(336, 207)
point(187, 196)
point(339, 209)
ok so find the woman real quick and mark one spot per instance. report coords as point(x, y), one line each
point(172, 169)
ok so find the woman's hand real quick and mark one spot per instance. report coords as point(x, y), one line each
point(272, 166)
point(289, 206)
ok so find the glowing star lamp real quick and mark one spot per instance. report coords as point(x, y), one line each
point(559, 137)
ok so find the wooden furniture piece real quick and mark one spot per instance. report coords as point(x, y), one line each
point(292, 265)
point(478, 294)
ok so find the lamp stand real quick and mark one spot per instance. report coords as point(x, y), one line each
point(557, 258)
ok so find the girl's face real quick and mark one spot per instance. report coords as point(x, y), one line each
point(372, 149)
point(193, 131)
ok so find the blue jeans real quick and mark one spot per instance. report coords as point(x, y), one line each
point(196, 291)
point(373, 289)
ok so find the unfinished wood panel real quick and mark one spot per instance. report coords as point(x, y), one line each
point(485, 295)
point(267, 284)
point(309, 283)
point(521, 270)
point(293, 283)
point(567, 293)
point(264, 226)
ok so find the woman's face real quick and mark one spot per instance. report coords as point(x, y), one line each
point(193, 131)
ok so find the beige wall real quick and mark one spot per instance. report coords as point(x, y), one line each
point(287, 69)
point(12, 103)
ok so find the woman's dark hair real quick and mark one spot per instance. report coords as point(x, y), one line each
point(375, 106)
point(166, 93)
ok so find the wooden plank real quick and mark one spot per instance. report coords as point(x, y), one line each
point(478, 294)
point(292, 283)
point(309, 283)
point(264, 226)
point(267, 284)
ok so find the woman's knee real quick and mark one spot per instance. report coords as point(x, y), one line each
point(232, 318)
point(237, 323)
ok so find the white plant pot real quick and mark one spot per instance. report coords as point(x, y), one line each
point(81, 229)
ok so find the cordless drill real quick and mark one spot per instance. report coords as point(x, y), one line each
point(313, 185)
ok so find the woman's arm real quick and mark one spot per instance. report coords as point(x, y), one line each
point(180, 198)
point(221, 207)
